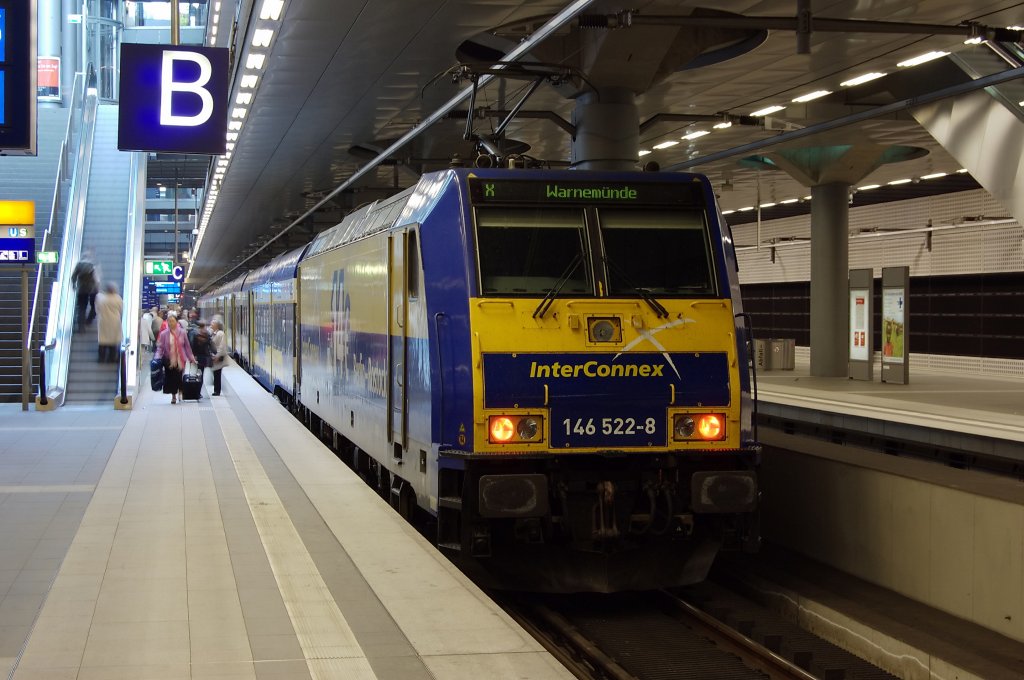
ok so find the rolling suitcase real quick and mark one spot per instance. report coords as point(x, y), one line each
point(156, 375)
point(192, 383)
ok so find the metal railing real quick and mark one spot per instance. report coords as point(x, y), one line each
point(54, 228)
point(132, 295)
point(56, 349)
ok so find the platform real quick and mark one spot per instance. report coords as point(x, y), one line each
point(220, 539)
point(971, 413)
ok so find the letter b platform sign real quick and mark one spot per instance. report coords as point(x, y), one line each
point(174, 99)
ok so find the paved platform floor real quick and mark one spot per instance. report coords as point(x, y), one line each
point(220, 539)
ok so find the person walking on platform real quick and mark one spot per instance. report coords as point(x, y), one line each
point(83, 278)
point(108, 331)
point(158, 321)
point(173, 349)
point(146, 336)
point(202, 346)
point(220, 353)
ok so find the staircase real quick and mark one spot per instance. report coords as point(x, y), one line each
point(27, 179)
point(104, 234)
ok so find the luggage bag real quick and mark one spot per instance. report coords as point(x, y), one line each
point(192, 384)
point(156, 375)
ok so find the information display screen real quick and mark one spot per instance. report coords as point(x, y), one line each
point(3, 58)
point(17, 77)
point(3, 35)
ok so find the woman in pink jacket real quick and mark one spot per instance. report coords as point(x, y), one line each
point(173, 348)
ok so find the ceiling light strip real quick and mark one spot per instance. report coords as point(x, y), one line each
point(860, 116)
point(554, 24)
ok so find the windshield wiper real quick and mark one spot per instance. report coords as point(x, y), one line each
point(549, 298)
point(644, 293)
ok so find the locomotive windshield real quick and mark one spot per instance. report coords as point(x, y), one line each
point(661, 252)
point(527, 251)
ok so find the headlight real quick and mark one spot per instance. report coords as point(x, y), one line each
point(684, 427)
point(528, 428)
point(515, 428)
point(501, 429)
point(707, 427)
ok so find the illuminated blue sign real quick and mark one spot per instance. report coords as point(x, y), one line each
point(17, 251)
point(3, 109)
point(174, 99)
point(3, 34)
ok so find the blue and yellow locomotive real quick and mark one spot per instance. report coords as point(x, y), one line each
point(550, 363)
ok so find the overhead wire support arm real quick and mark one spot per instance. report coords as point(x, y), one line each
point(518, 105)
point(803, 24)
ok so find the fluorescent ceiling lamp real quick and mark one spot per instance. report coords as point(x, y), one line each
point(239, 112)
point(723, 125)
point(255, 60)
point(728, 212)
point(249, 80)
point(232, 136)
point(271, 9)
point(973, 41)
point(868, 187)
point(767, 110)
point(817, 94)
point(934, 175)
point(749, 207)
point(216, 7)
point(962, 170)
point(261, 37)
point(922, 58)
point(665, 145)
point(807, 198)
point(697, 133)
point(235, 125)
point(244, 98)
point(642, 152)
point(867, 77)
point(766, 205)
point(789, 200)
point(901, 181)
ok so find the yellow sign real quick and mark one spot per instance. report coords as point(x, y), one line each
point(17, 212)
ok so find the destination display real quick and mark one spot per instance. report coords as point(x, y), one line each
point(626, 192)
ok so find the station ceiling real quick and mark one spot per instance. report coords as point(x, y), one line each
point(343, 80)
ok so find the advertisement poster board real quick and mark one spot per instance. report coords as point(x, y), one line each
point(859, 335)
point(48, 80)
point(895, 324)
point(861, 355)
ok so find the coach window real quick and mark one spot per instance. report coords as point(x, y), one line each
point(664, 252)
point(525, 251)
point(412, 267)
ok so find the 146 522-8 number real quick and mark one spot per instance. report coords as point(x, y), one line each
point(609, 426)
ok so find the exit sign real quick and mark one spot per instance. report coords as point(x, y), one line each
point(46, 257)
point(159, 267)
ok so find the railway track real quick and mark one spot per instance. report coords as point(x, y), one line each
point(700, 633)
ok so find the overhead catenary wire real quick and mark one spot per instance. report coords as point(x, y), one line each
point(556, 22)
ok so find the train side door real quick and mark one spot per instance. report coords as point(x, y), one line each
point(398, 322)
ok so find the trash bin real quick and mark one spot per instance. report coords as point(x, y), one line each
point(782, 354)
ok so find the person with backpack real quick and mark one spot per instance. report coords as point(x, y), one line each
point(201, 343)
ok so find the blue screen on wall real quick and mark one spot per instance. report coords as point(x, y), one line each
point(3, 34)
